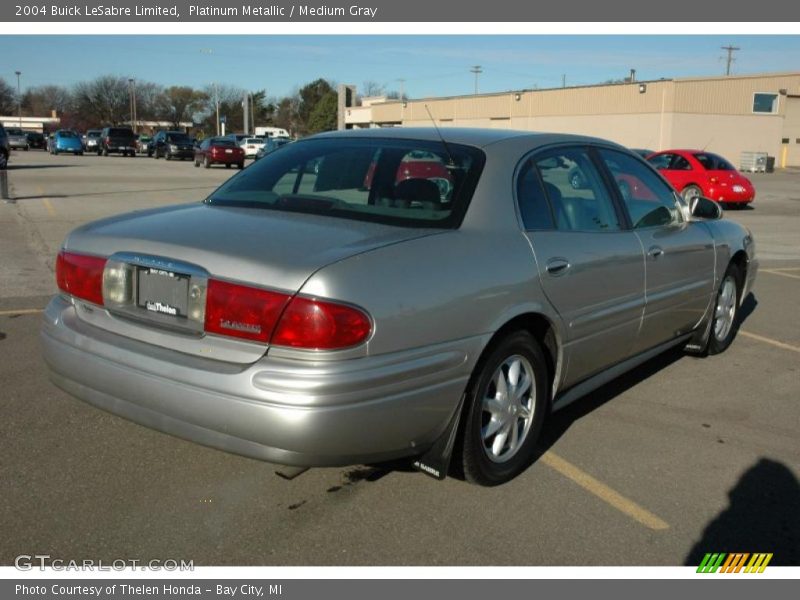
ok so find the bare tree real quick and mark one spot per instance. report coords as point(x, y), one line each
point(105, 100)
point(181, 103)
point(40, 101)
point(8, 98)
point(372, 88)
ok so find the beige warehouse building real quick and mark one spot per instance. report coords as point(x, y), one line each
point(727, 115)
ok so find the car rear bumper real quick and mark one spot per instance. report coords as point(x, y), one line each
point(18, 144)
point(296, 412)
point(116, 148)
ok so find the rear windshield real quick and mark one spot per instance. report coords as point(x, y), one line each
point(93, 133)
point(66, 134)
point(230, 143)
point(398, 182)
point(713, 162)
point(178, 138)
point(14, 131)
point(120, 132)
point(254, 141)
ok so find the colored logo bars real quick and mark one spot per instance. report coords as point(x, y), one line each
point(733, 563)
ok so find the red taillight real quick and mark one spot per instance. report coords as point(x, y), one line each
point(81, 275)
point(242, 311)
point(265, 316)
point(108, 140)
point(315, 324)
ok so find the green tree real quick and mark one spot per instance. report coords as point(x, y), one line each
point(323, 116)
point(309, 96)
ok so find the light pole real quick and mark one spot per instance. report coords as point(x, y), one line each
point(132, 91)
point(477, 70)
point(216, 103)
point(19, 100)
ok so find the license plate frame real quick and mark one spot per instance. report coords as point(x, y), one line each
point(162, 291)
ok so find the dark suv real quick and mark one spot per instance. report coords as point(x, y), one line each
point(172, 144)
point(120, 140)
point(4, 149)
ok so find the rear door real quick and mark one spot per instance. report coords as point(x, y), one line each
point(591, 268)
point(679, 254)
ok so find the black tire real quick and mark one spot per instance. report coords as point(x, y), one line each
point(690, 191)
point(722, 336)
point(149, 154)
point(105, 151)
point(167, 155)
point(3, 161)
point(27, 148)
point(196, 163)
point(206, 163)
point(474, 455)
point(240, 166)
point(80, 153)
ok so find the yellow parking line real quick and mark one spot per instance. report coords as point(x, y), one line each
point(780, 272)
point(605, 493)
point(49, 206)
point(766, 340)
point(21, 311)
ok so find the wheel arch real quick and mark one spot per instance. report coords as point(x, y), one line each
point(545, 331)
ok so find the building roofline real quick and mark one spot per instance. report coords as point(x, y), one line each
point(596, 85)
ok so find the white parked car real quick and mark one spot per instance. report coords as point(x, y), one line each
point(251, 146)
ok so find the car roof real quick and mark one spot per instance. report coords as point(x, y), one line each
point(462, 135)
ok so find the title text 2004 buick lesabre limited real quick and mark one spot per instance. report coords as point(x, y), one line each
point(323, 308)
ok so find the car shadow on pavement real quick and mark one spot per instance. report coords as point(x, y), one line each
point(39, 197)
point(762, 517)
point(558, 423)
point(13, 167)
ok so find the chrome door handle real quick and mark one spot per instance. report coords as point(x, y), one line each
point(655, 252)
point(557, 266)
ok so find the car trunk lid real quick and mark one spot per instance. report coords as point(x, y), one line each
point(170, 249)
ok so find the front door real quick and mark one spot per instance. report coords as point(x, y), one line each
point(679, 254)
point(590, 268)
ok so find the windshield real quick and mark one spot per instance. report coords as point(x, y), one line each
point(178, 138)
point(381, 180)
point(120, 132)
point(93, 133)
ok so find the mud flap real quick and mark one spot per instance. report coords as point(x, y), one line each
point(436, 461)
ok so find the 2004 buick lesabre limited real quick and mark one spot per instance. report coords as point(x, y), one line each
point(324, 308)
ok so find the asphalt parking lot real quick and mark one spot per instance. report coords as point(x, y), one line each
point(680, 457)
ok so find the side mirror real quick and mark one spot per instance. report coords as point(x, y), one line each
point(705, 208)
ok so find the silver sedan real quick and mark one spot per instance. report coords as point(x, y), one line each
point(365, 296)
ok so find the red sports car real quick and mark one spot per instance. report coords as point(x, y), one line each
point(699, 173)
point(222, 151)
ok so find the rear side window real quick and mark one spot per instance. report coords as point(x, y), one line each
point(576, 191)
point(410, 183)
point(713, 162)
point(533, 206)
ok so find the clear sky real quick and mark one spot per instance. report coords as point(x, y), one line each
point(430, 65)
